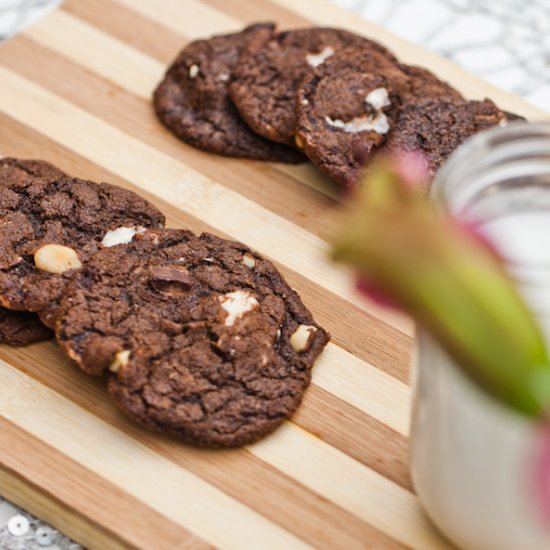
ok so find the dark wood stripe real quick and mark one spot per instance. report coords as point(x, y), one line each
point(358, 435)
point(251, 12)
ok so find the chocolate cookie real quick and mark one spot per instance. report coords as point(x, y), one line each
point(347, 106)
point(14, 170)
point(423, 84)
point(20, 328)
point(436, 127)
point(266, 79)
point(193, 102)
point(201, 338)
point(50, 225)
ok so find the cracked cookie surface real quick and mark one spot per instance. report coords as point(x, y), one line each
point(347, 106)
point(193, 102)
point(266, 79)
point(436, 127)
point(50, 225)
point(200, 337)
point(18, 328)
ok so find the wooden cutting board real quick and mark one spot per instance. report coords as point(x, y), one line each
point(75, 89)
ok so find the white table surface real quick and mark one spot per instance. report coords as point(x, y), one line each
point(506, 42)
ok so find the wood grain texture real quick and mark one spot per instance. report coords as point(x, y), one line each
point(75, 90)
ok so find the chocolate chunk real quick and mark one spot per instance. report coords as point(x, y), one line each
point(173, 280)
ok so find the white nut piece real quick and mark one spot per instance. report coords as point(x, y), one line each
point(316, 59)
point(121, 235)
point(248, 261)
point(300, 338)
point(56, 258)
point(121, 360)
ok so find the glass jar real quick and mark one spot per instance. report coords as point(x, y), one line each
point(474, 460)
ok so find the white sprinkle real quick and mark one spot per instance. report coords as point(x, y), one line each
point(224, 77)
point(305, 102)
point(209, 260)
point(121, 235)
point(315, 59)
point(193, 71)
point(237, 304)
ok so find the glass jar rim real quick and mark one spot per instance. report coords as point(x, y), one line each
point(476, 161)
point(478, 147)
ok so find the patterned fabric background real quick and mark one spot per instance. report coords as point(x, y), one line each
point(506, 42)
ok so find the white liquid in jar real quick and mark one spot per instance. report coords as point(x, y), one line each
point(523, 240)
point(523, 237)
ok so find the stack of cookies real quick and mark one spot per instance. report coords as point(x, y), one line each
point(329, 94)
point(198, 337)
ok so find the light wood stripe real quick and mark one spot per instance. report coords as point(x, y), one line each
point(174, 492)
point(360, 436)
point(195, 19)
point(130, 69)
point(365, 387)
point(190, 190)
point(128, 26)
